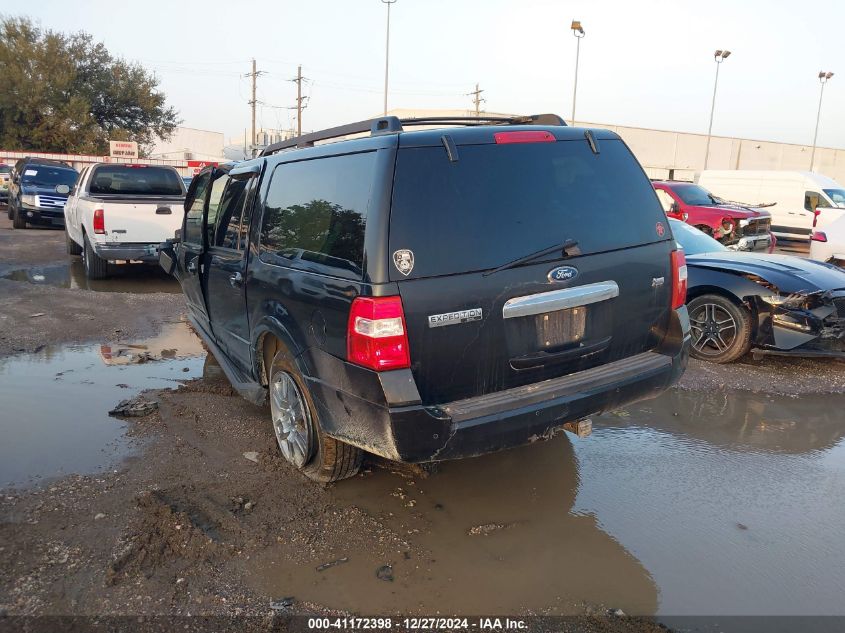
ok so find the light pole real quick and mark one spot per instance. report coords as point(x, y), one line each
point(578, 32)
point(719, 56)
point(824, 77)
point(387, 52)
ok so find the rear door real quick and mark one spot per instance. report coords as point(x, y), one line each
point(473, 331)
point(142, 202)
point(191, 250)
point(227, 254)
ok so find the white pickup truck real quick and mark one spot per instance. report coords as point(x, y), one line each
point(121, 213)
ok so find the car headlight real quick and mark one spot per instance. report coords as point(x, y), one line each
point(776, 300)
point(30, 199)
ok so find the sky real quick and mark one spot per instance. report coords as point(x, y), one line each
point(646, 63)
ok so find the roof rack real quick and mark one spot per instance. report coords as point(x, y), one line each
point(394, 125)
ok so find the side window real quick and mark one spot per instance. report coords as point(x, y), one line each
point(217, 189)
point(227, 233)
point(665, 199)
point(813, 200)
point(315, 213)
point(193, 218)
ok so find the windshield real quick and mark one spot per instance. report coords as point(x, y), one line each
point(694, 195)
point(498, 203)
point(837, 196)
point(136, 180)
point(693, 241)
point(48, 176)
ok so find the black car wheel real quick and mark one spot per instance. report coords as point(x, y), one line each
point(721, 330)
point(18, 221)
point(297, 428)
point(95, 266)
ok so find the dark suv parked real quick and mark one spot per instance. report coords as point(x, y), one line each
point(433, 294)
point(38, 192)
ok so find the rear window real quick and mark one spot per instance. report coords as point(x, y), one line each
point(497, 203)
point(142, 180)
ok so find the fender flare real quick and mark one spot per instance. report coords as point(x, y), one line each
point(270, 326)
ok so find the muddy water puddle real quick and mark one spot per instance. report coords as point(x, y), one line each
point(694, 503)
point(55, 418)
point(135, 278)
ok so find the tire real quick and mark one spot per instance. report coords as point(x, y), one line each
point(18, 221)
point(72, 247)
point(721, 330)
point(298, 431)
point(95, 266)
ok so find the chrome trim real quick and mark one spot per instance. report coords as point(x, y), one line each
point(559, 299)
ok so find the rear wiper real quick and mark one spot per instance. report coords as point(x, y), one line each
point(564, 247)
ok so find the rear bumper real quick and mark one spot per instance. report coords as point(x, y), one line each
point(418, 433)
point(117, 252)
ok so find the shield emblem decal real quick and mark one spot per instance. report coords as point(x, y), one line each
point(403, 259)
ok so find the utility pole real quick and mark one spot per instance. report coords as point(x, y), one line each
point(299, 100)
point(476, 99)
point(253, 102)
point(578, 32)
point(719, 56)
point(824, 77)
point(387, 53)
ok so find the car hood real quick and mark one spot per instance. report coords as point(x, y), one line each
point(788, 273)
point(734, 211)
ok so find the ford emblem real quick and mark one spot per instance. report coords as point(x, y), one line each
point(562, 273)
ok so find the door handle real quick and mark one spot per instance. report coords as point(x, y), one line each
point(192, 266)
point(236, 280)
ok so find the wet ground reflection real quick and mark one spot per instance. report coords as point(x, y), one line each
point(56, 402)
point(134, 278)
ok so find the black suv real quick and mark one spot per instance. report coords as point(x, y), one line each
point(38, 192)
point(433, 294)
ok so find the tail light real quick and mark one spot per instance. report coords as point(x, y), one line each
point(679, 279)
point(532, 136)
point(818, 236)
point(99, 222)
point(376, 337)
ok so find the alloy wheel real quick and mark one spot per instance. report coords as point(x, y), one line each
point(714, 329)
point(291, 419)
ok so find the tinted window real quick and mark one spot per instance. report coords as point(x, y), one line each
point(140, 180)
point(35, 174)
point(228, 233)
point(694, 195)
point(214, 199)
point(497, 203)
point(193, 218)
point(813, 201)
point(315, 214)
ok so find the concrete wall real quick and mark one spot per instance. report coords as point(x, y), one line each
point(188, 143)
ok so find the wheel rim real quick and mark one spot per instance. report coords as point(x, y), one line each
point(291, 419)
point(713, 328)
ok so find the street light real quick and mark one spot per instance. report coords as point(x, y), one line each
point(578, 32)
point(387, 52)
point(719, 56)
point(824, 77)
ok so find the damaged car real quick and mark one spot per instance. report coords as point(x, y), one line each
point(775, 304)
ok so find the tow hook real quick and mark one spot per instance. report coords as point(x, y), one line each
point(582, 428)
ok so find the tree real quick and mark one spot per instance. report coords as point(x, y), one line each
point(66, 93)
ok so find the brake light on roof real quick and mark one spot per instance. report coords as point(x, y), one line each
point(679, 279)
point(99, 222)
point(376, 336)
point(818, 236)
point(532, 136)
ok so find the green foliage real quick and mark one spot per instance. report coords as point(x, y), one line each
point(66, 93)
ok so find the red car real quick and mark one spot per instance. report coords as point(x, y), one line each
point(733, 225)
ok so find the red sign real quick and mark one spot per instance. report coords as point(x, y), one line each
point(197, 165)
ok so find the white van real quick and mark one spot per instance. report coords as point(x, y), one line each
point(802, 199)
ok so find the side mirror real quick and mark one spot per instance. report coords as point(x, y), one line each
point(62, 190)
